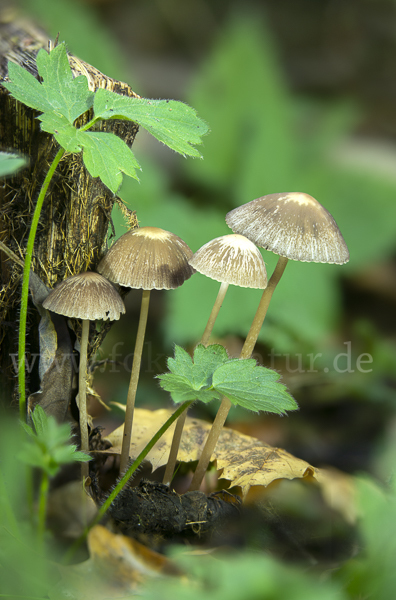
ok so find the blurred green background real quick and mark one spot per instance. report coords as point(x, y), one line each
point(299, 96)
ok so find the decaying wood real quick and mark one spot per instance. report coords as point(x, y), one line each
point(73, 227)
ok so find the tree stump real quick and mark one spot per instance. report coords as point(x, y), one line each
point(72, 233)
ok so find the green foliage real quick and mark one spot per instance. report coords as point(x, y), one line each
point(234, 576)
point(10, 163)
point(173, 123)
point(59, 91)
point(252, 386)
point(47, 447)
point(62, 99)
point(211, 374)
point(24, 572)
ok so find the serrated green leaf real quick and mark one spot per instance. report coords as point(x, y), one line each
point(181, 390)
point(174, 123)
point(107, 156)
point(25, 88)
point(64, 132)
point(10, 163)
point(191, 379)
point(252, 386)
point(66, 94)
point(58, 92)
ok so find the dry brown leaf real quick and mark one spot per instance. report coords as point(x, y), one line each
point(243, 460)
point(339, 492)
point(117, 567)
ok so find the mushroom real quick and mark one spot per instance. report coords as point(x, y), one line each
point(87, 296)
point(296, 227)
point(229, 259)
point(146, 258)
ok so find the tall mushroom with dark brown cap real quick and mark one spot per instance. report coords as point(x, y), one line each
point(296, 227)
point(87, 296)
point(147, 258)
point(229, 259)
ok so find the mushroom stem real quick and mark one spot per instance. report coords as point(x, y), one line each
point(261, 312)
point(213, 315)
point(137, 358)
point(82, 395)
point(210, 444)
point(170, 467)
point(246, 352)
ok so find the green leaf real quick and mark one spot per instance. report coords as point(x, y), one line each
point(48, 447)
point(211, 374)
point(64, 132)
point(191, 379)
point(10, 163)
point(174, 123)
point(58, 92)
point(107, 156)
point(252, 386)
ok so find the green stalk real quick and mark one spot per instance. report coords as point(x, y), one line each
point(124, 480)
point(25, 285)
point(42, 508)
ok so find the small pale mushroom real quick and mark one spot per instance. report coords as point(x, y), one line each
point(87, 296)
point(146, 258)
point(229, 259)
point(296, 227)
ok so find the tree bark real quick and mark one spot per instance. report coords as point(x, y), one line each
point(72, 233)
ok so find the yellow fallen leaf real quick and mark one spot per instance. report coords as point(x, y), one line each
point(243, 460)
point(117, 567)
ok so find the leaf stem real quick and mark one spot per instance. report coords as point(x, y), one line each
point(42, 508)
point(90, 124)
point(25, 285)
point(124, 480)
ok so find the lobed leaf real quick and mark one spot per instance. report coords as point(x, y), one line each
point(107, 156)
point(252, 386)
point(191, 379)
point(63, 131)
point(174, 123)
point(59, 90)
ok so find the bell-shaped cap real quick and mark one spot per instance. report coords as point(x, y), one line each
point(147, 258)
point(231, 259)
point(87, 296)
point(293, 225)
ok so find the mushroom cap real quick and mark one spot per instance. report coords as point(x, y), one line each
point(231, 259)
point(147, 258)
point(87, 296)
point(293, 225)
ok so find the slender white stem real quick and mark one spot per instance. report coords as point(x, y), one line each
point(246, 352)
point(170, 467)
point(82, 395)
point(137, 358)
point(213, 315)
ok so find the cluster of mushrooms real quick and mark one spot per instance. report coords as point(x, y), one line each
point(292, 225)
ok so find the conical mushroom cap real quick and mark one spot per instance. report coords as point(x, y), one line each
point(231, 259)
point(87, 296)
point(147, 258)
point(293, 225)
